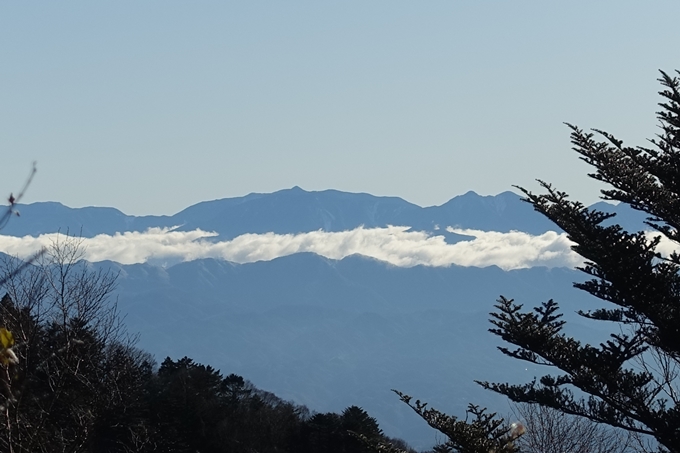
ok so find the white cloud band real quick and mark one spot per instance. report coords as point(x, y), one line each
point(393, 244)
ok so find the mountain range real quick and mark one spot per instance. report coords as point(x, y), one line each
point(333, 333)
point(296, 210)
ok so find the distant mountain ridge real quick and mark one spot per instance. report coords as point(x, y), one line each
point(295, 211)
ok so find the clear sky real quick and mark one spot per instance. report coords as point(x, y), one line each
point(151, 106)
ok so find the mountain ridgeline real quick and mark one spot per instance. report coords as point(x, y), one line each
point(327, 333)
point(295, 211)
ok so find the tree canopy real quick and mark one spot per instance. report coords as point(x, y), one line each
point(629, 381)
point(632, 380)
point(72, 380)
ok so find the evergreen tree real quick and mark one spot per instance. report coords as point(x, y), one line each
point(356, 420)
point(630, 381)
point(353, 431)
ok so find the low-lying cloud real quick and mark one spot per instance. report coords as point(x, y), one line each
point(393, 244)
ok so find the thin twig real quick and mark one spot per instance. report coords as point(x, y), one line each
point(4, 219)
point(14, 200)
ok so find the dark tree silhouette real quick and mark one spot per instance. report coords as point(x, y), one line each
point(76, 384)
point(639, 284)
point(632, 380)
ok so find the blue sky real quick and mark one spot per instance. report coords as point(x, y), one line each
point(155, 105)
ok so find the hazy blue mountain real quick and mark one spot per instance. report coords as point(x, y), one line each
point(49, 217)
point(290, 211)
point(627, 217)
point(329, 333)
point(296, 210)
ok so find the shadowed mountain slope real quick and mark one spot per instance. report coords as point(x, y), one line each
point(329, 333)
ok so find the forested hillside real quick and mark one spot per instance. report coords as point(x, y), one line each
point(73, 380)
